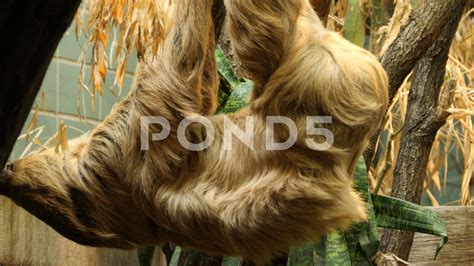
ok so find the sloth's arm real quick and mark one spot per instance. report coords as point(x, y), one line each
point(262, 33)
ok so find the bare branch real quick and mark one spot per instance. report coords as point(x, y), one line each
point(31, 31)
point(423, 27)
point(422, 123)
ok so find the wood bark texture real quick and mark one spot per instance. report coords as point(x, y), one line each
point(31, 31)
point(422, 123)
point(423, 28)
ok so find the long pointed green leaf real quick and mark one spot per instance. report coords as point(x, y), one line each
point(225, 69)
point(362, 238)
point(231, 261)
point(239, 97)
point(175, 259)
point(354, 26)
point(301, 256)
point(337, 251)
point(398, 214)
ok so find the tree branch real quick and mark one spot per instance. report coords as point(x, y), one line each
point(424, 119)
point(31, 31)
point(422, 29)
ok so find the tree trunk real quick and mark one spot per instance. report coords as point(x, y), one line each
point(424, 119)
point(415, 38)
point(31, 31)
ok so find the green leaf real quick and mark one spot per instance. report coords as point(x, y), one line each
point(337, 252)
point(398, 214)
point(231, 261)
point(225, 69)
point(175, 259)
point(319, 255)
point(301, 256)
point(362, 238)
point(356, 246)
point(239, 97)
point(354, 26)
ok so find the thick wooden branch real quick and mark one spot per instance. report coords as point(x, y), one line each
point(31, 31)
point(421, 125)
point(423, 27)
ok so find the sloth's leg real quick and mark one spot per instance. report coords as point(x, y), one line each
point(210, 79)
point(182, 78)
point(262, 31)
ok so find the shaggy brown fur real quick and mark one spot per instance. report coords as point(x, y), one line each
point(106, 191)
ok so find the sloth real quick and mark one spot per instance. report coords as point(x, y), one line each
point(107, 191)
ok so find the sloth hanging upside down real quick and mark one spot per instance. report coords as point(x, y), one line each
point(251, 202)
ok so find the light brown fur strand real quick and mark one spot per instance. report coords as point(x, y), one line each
point(105, 191)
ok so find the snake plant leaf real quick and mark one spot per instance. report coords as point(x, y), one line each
point(362, 238)
point(176, 255)
point(302, 256)
point(229, 81)
point(239, 97)
point(337, 251)
point(355, 246)
point(225, 69)
point(398, 214)
point(231, 261)
point(319, 255)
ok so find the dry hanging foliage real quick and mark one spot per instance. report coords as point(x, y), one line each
point(132, 26)
point(337, 13)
